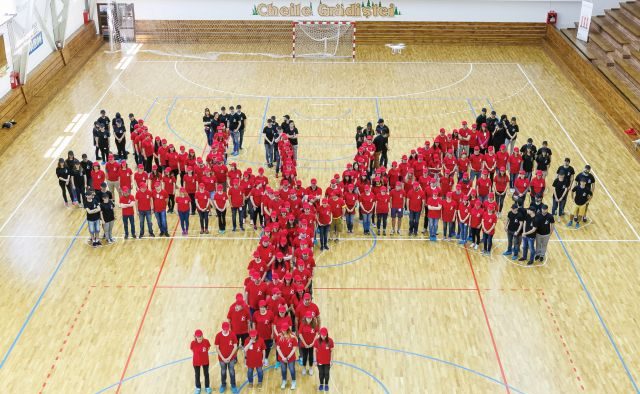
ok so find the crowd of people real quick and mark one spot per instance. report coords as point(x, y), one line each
point(457, 183)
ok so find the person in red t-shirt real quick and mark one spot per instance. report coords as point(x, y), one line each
point(489, 220)
point(254, 355)
point(307, 331)
point(322, 350)
point(398, 201)
point(97, 176)
point(184, 206)
point(351, 204)
point(324, 217)
point(475, 223)
point(449, 209)
point(415, 202)
point(227, 347)
point(263, 320)
point(220, 202)
point(286, 348)
point(383, 202)
point(464, 218)
point(200, 349)
point(236, 198)
point(144, 200)
point(113, 174)
point(434, 211)
point(160, 197)
point(128, 203)
point(239, 317)
point(203, 205)
point(367, 207)
point(337, 205)
point(500, 183)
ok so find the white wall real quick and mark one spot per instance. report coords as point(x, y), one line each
point(411, 10)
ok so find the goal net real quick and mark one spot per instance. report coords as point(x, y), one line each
point(324, 39)
point(121, 22)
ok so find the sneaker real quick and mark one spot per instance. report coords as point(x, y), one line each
point(265, 363)
point(304, 371)
point(310, 371)
point(126, 236)
point(208, 390)
point(250, 385)
point(326, 387)
point(300, 360)
point(475, 247)
point(197, 391)
point(577, 225)
point(507, 253)
point(293, 385)
point(584, 219)
point(321, 387)
point(384, 233)
point(530, 262)
point(515, 257)
point(152, 235)
point(259, 386)
point(222, 389)
point(277, 365)
point(570, 223)
point(522, 259)
point(234, 390)
point(283, 385)
point(133, 236)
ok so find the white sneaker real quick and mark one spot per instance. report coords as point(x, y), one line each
point(475, 246)
point(310, 371)
point(283, 385)
point(265, 363)
point(293, 385)
point(304, 371)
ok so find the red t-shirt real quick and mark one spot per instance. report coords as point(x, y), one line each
point(254, 353)
point(488, 220)
point(160, 200)
point(537, 185)
point(127, 200)
point(125, 177)
point(184, 204)
point(484, 186)
point(476, 162)
point(397, 199)
point(463, 212)
point(236, 197)
point(226, 344)
point(113, 171)
point(448, 211)
point(415, 198)
point(323, 351)
point(307, 332)
point(263, 324)
point(200, 352)
point(286, 345)
point(302, 309)
point(382, 203)
point(144, 200)
point(350, 200)
point(500, 182)
point(324, 215)
point(336, 207)
point(476, 217)
point(220, 200)
point(202, 198)
point(239, 319)
point(98, 178)
point(256, 293)
point(189, 183)
point(433, 202)
point(366, 201)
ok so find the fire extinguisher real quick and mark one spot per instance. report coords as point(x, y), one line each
point(552, 17)
point(14, 79)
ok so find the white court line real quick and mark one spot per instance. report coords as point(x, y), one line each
point(55, 159)
point(584, 159)
point(469, 72)
point(318, 62)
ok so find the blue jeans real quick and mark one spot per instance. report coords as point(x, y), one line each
point(528, 245)
point(487, 240)
point(184, 220)
point(268, 152)
point(276, 158)
point(209, 137)
point(324, 235)
point(513, 241)
point(433, 227)
point(349, 218)
point(235, 136)
point(414, 219)
point(231, 366)
point(250, 374)
point(474, 175)
point(292, 369)
point(237, 212)
point(366, 222)
point(145, 215)
point(129, 219)
point(464, 232)
point(449, 229)
point(161, 218)
point(241, 138)
point(94, 227)
point(558, 206)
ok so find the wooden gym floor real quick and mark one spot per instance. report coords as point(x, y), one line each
point(408, 316)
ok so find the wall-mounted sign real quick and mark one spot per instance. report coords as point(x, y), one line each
point(362, 9)
point(36, 42)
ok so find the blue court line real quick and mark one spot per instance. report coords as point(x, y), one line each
point(153, 104)
point(368, 252)
point(595, 309)
point(42, 294)
point(404, 352)
point(490, 105)
point(264, 119)
point(471, 107)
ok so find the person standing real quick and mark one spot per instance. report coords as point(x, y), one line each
point(513, 228)
point(307, 333)
point(242, 120)
point(160, 197)
point(324, 218)
point(263, 320)
point(227, 348)
point(236, 198)
point(464, 219)
point(489, 220)
point(568, 170)
point(512, 134)
point(65, 181)
point(120, 134)
point(544, 226)
point(128, 203)
point(322, 350)
point(79, 182)
point(108, 217)
point(234, 129)
point(292, 132)
point(113, 174)
point(220, 202)
point(590, 180)
point(449, 208)
point(398, 202)
point(383, 202)
point(92, 207)
point(144, 200)
point(203, 204)
point(415, 203)
point(434, 212)
point(102, 142)
point(367, 202)
point(560, 193)
point(581, 196)
point(200, 349)
point(482, 118)
point(184, 206)
point(529, 236)
point(286, 349)
point(359, 137)
point(268, 142)
point(254, 352)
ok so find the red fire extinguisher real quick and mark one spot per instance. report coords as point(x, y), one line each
point(552, 17)
point(85, 16)
point(14, 79)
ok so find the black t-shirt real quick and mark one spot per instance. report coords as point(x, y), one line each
point(224, 119)
point(234, 121)
point(523, 149)
point(368, 132)
point(482, 118)
point(569, 172)
point(119, 131)
point(293, 135)
point(276, 135)
point(527, 163)
point(268, 134)
point(78, 178)
point(62, 173)
point(491, 123)
point(359, 138)
point(587, 177)
point(87, 166)
point(100, 193)
point(498, 138)
point(537, 207)
point(241, 117)
point(515, 219)
point(545, 149)
point(560, 187)
point(107, 211)
point(513, 130)
point(542, 163)
point(132, 124)
point(104, 121)
point(92, 205)
point(528, 225)
point(543, 223)
point(581, 195)
point(379, 143)
point(381, 129)
point(207, 119)
point(103, 138)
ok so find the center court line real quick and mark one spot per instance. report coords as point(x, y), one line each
point(584, 159)
point(486, 318)
point(54, 160)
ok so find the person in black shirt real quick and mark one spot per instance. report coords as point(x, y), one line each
point(381, 127)
point(274, 122)
point(545, 148)
point(108, 217)
point(591, 185)
point(207, 117)
point(560, 192)
point(536, 203)
point(492, 122)
point(132, 122)
point(268, 142)
point(292, 132)
point(79, 178)
point(64, 180)
point(234, 130)
point(383, 130)
point(543, 161)
point(368, 131)
point(87, 166)
point(93, 219)
point(512, 134)
point(119, 132)
point(581, 196)
point(498, 136)
point(380, 144)
point(513, 227)
point(482, 118)
point(101, 138)
point(276, 153)
point(104, 120)
point(544, 226)
point(224, 117)
point(96, 136)
point(359, 137)
point(569, 172)
point(103, 191)
point(242, 120)
point(529, 145)
point(528, 161)
point(71, 159)
point(529, 236)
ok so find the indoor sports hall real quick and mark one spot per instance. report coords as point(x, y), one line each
point(86, 308)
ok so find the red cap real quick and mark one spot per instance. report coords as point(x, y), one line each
point(96, 164)
point(110, 156)
point(239, 297)
point(306, 296)
point(308, 315)
point(125, 189)
point(464, 122)
point(255, 275)
point(253, 333)
point(262, 303)
point(157, 184)
point(284, 326)
point(522, 172)
point(324, 332)
point(140, 166)
point(288, 276)
point(539, 172)
point(226, 326)
point(198, 333)
point(282, 308)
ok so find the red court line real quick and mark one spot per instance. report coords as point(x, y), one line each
point(486, 318)
point(66, 340)
point(562, 340)
point(146, 309)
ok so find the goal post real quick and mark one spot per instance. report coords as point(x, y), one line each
point(324, 39)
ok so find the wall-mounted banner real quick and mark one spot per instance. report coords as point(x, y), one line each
point(36, 40)
point(356, 10)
